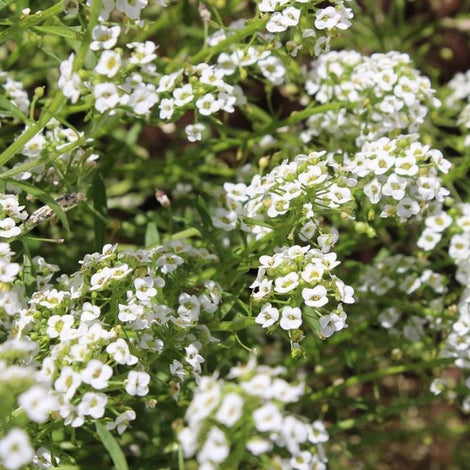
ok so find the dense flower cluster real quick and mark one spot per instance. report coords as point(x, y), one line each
point(296, 15)
point(90, 349)
point(293, 190)
point(299, 280)
point(243, 419)
point(384, 91)
point(401, 175)
point(12, 215)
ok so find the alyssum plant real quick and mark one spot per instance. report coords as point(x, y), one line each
point(304, 201)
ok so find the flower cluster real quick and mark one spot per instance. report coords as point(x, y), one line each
point(384, 93)
point(401, 175)
point(16, 375)
point(13, 90)
point(293, 190)
point(90, 348)
point(242, 420)
point(399, 285)
point(12, 216)
point(55, 138)
point(300, 276)
point(296, 16)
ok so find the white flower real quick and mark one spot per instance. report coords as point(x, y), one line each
point(273, 69)
point(257, 445)
point(194, 131)
point(144, 52)
point(36, 403)
point(230, 410)
point(327, 18)
point(193, 357)
point(104, 37)
point(68, 382)
point(119, 350)
point(291, 318)
point(131, 8)
point(43, 459)
point(395, 187)
point(97, 374)
point(59, 325)
point(142, 99)
point(8, 271)
point(291, 16)
point(286, 283)
point(208, 104)
point(121, 423)
point(93, 404)
point(167, 108)
point(316, 297)
point(277, 23)
point(268, 418)
point(106, 96)
point(15, 449)
point(144, 288)
point(318, 433)
point(331, 323)
point(295, 432)
point(109, 64)
point(428, 239)
point(137, 383)
point(267, 316)
point(215, 449)
point(183, 95)
point(8, 228)
point(225, 219)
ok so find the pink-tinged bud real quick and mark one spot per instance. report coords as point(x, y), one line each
point(205, 13)
point(162, 198)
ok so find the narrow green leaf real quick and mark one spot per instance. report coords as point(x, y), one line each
point(100, 205)
point(152, 237)
point(112, 447)
point(58, 30)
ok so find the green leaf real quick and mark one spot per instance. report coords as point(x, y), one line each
point(100, 205)
point(112, 447)
point(58, 30)
point(152, 237)
point(45, 198)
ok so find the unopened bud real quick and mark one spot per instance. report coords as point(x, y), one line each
point(162, 198)
point(263, 162)
point(39, 92)
point(205, 13)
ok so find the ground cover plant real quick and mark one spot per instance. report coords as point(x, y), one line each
point(234, 234)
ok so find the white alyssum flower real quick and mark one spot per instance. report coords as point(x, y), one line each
point(137, 383)
point(15, 449)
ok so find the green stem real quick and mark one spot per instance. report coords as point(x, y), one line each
point(31, 131)
point(377, 415)
point(206, 53)
point(30, 21)
point(85, 43)
point(378, 374)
